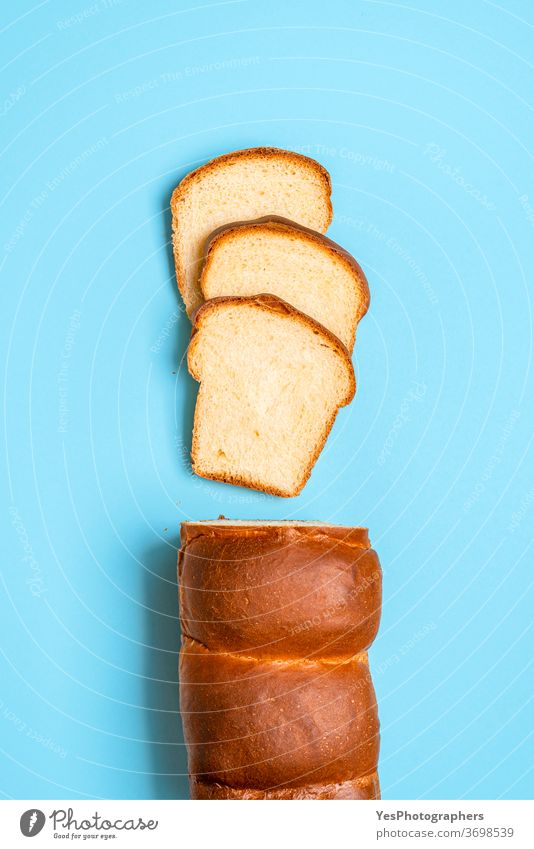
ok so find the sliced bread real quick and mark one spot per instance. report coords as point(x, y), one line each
point(244, 184)
point(276, 256)
point(271, 382)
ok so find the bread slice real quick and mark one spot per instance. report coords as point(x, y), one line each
point(241, 185)
point(271, 382)
point(302, 267)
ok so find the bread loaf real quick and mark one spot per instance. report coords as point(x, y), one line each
point(275, 691)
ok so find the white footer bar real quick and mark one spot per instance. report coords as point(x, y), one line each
point(277, 825)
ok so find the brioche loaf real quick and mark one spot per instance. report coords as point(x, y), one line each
point(271, 382)
point(300, 266)
point(242, 185)
point(275, 692)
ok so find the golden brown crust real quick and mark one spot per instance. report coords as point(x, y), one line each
point(279, 592)
point(256, 153)
point(279, 224)
point(359, 788)
point(230, 529)
point(255, 483)
point(248, 153)
point(264, 723)
point(252, 723)
point(273, 304)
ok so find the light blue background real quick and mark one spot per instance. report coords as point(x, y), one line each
point(422, 113)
